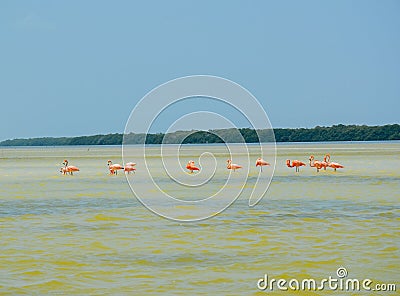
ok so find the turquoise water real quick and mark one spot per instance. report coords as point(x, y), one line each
point(87, 235)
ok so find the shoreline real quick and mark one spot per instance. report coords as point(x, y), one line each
point(207, 144)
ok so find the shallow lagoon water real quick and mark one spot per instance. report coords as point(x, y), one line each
point(88, 235)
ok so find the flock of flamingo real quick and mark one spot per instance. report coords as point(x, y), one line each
point(191, 166)
point(315, 163)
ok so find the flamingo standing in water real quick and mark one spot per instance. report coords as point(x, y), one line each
point(333, 165)
point(114, 167)
point(68, 168)
point(295, 163)
point(315, 163)
point(129, 167)
point(261, 162)
point(232, 166)
point(191, 166)
point(324, 164)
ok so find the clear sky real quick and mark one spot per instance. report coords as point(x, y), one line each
point(78, 67)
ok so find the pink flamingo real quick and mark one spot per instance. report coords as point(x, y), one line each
point(114, 167)
point(191, 166)
point(129, 167)
point(324, 164)
point(315, 163)
point(295, 163)
point(68, 168)
point(63, 171)
point(333, 165)
point(261, 162)
point(232, 166)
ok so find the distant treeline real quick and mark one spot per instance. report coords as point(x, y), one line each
point(317, 134)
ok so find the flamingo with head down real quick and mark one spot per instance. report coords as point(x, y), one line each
point(68, 168)
point(295, 163)
point(232, 166)
point(114, 167)
point(130, 167)
point(192, 167)
point(333, 165)
point(261, 162)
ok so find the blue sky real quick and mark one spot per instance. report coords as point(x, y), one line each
point(79, 67)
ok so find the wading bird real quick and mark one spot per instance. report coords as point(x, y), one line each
point(114, 167)
point(191, 166)
point(129, 169)
point(261, 162)
point(333, 165)
point(68, 168)
point(324, 164)
point(295, 163)
point(232, 166)
point(315, 163)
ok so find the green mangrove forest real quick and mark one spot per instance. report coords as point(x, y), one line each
point(338, 132)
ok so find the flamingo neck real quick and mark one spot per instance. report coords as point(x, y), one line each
point(312, 162)
point(327, 158)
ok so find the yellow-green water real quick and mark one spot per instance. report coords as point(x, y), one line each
point(87, 235)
